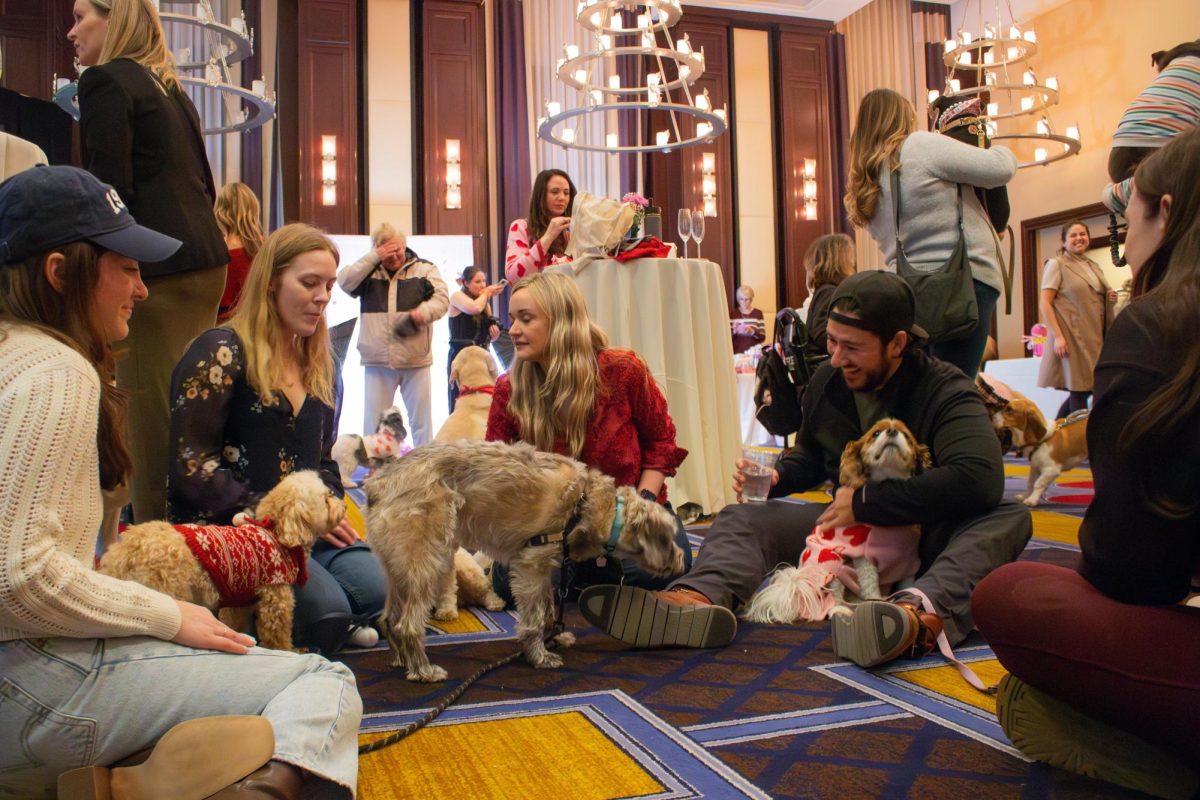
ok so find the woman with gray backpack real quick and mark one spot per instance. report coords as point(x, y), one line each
point(907, 187)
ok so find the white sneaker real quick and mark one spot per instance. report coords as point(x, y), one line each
point(364, 636)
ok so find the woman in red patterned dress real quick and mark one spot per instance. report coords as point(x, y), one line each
point(569, 393)
point(541, 239)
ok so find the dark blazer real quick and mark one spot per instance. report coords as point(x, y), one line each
point(818, 315)
point(146, 142)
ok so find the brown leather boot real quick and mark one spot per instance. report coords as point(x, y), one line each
point(879, 631)
point(273, 781)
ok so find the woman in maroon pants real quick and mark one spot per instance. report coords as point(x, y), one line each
point(1104, 663)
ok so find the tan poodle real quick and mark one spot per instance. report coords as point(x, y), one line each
point(263, 557)
point(474, 371)
point(513, 503)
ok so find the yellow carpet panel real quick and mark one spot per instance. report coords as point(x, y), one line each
point(1056, 527)
point(465, 623)
point(946, 681)
point(553, 756)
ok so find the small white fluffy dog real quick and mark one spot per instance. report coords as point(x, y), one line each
point(868, 556)
point(497, 497)
point(286, 523)
point(474, 372)
point(351, 451)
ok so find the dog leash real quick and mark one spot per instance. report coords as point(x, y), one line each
point(566, 575)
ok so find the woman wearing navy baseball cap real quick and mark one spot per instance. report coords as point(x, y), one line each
point(99, 668)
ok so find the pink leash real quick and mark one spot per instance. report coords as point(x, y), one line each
point(967, 673)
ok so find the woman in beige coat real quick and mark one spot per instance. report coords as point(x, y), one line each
point(1076, 303)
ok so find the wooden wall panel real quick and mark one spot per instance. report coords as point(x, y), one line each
point(34, 46)
point(328, 89)
point(803, 131)
point(674, 179)
point(452, 81)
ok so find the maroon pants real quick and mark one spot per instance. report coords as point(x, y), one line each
point(1134, 667)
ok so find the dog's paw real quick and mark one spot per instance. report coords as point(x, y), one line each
point(841, 608)
point(427, 674)
point(564, 639)
point(550, 661)
point(443, 614)
point(493, 602)
point(1029, 501)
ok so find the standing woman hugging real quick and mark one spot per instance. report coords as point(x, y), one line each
point(568, 392)
point(256, 401)
point(1077, 304)
point(933, 169)
point(140, 134)
point(541, 239)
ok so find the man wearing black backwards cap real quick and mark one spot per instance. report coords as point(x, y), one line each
point(966, 529)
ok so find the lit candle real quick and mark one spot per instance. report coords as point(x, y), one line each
point(684, 71)
point(1026, 103)
point(596, 97)
point(934, 94)
point(1052, 83)
point(703, 103)
point(1031, 37)
point(568, 135)
point(652, 97)
point(989, 78)
point(596, 19)
point(966, 37)
point(605, 41)
point(643, 21)
point(1039, 154)
point(965, 57)
point(684, 46)
point(611, 141)
point(703, 129)
point(993, 109)
point(259, 87)
point(654, 79)
point(1028, 78)
point(614, 81)
point(648, 40)
point(1013, 53)
point(1073, 132)
point(239, 25)
point(1014, 32)
point(581, 76)
point(989, 57)
point(553, 107)
point(663, 138)
point(951, 45)
point(571, 51)
point(720, 114)
point(955, 85)
point(1043, 128)
point(988, 31)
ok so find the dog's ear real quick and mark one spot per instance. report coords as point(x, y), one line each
point(853, 472)
point(1035, 427)
point(493, 370)
point(924, 459)
point(455, 369)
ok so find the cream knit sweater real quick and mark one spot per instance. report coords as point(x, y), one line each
point(50, 504)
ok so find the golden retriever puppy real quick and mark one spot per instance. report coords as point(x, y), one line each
point(247, 567)
point(474, 372)
point(870, 558)
point(515, 504)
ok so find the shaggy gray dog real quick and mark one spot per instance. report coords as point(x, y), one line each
point(495, 497)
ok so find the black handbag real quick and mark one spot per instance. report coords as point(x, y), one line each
point(946, 304)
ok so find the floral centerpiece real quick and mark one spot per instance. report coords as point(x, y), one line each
point(640, 204)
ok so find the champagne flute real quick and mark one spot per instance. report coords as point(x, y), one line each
point(685, 227)
point(698, 229)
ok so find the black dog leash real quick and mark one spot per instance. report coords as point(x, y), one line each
point(566, 575)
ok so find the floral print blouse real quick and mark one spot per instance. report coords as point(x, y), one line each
point(229, 446)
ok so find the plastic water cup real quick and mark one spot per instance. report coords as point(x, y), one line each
point(758, 473)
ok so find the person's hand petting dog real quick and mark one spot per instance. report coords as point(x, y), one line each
point(343, 535)
point(840, 513)
point(198, 628)
point(739, 477)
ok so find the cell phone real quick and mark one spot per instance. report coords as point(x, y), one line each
point(502, 282)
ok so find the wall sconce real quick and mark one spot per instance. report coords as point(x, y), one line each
point(810, 189)
point(453, 174)
point(708, 183)
point(329, 170)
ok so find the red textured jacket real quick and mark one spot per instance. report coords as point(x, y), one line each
point(241, 559)
point(630, 429)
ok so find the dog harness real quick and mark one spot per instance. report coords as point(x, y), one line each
point(1070, 419)
point(243, 558)
point(466, 390)
point(828, 556)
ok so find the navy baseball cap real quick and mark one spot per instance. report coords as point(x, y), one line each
point(885, 301)
point(44, 207)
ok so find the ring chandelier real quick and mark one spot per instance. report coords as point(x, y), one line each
point(1004, 94)
point(593, 76)
point(245, 109)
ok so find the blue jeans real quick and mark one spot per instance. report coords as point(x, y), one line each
point(345, 586)
point(967, 352)
point(589, 574)
point(68, 703)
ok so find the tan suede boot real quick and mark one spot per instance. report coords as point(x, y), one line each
point(274, 781)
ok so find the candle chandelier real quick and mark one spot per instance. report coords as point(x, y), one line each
point(1001, 74)
point(631, 31)
point(244, 109)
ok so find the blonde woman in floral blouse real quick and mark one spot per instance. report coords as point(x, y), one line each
point(257, 400)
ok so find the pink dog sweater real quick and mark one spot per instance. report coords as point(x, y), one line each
point(243, 558)
point(828, 555)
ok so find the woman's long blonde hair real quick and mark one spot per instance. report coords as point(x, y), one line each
point(885, 120)
point(135, 32)
point(256, 320)
point(829, 259)
point(237, 213)
point(555, 401)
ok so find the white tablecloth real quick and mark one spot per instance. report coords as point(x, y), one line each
point(752, 432)
point(1022, 374)
point(675, 314)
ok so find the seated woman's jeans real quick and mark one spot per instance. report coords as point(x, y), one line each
point(590, 574)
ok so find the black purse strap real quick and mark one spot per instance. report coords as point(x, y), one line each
point(900, 254)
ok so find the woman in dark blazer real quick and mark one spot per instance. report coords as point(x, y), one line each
point(142, 135)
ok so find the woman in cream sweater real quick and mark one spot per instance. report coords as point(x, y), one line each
point(99, 668)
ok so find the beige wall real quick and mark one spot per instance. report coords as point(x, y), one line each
point(755, 166)
point(389, 114)
point(1100, 51)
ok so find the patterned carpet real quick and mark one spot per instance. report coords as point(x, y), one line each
point(775, 714)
